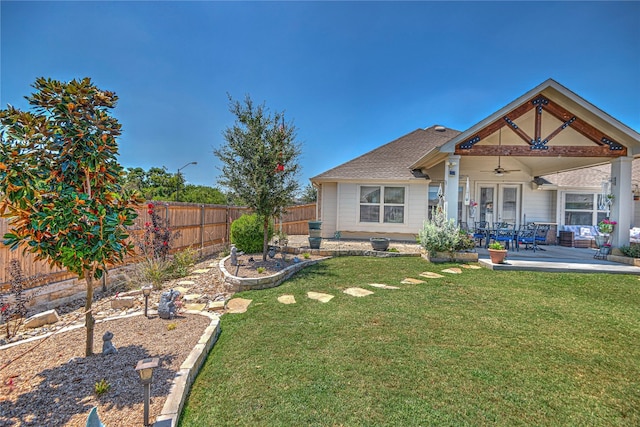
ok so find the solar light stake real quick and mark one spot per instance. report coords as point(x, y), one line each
point(146, 291)
point(145, 370)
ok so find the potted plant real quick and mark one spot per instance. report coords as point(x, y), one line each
point(497, 252)
point(380, 243)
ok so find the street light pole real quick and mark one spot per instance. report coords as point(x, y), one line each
point(178, 179)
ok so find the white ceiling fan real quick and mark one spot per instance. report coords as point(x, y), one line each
point(499, 171)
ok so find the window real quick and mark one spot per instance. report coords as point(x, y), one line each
point(582, 209)
point(389, 201)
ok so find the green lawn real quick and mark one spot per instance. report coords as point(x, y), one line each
point(477, 348)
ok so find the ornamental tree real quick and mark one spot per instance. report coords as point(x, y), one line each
point(60, 182)
point(259, 161)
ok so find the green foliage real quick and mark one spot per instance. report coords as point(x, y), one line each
point(159, 184)
point(247, 233)
point(182, 261)
point(152, 270)
point(260, 270)
point(60, 180)
point(439, 234)
point(306, 255)
point(309, 194)
point(496, 246)
point(632, 251)
point(465, 242)
point(101, 387)
point(260, 161)
point(172, 326)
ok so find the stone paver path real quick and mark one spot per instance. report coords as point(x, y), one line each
point(201, 271)
point(181, 289)
point(319, 296)
point(238, 305)
point(287, 299)
point(186, 283)
point(191, 297)
point(357, 292)
point(471, 266)
point(411, 281)
point(431, 275)
point(383, 286)
point(452, 270)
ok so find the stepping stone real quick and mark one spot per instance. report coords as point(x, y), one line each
point(216, 305)
point(431, 275)
point(452, 270)
point(213, 265)
point(238, 305)
point(471, 266)
point(319, 296)
point(181, 289)
point(191, 297)
point(45, 318)
point(186, 283)
point(201, 271)
point(287, 299)
point(357, 292)
point(410, 281)
point(195, 307)
point(382, 286)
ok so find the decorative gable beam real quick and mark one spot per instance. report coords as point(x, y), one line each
point(610, 147)
point(551, 151)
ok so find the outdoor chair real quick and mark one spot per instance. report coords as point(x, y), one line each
point(541, 235)
point(527, 236)
point(505, 235)
point(480, 231)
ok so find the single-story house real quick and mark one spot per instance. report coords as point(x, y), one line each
point(547, 157)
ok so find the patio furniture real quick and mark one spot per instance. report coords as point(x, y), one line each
point(527, 236)
point(480, 232)
point(541, 235)
point(583, 236)
point(505, 235)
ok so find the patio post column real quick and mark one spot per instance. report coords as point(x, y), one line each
point(452, 182)
point(622, 200)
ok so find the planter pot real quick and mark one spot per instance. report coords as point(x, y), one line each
point(315, 233)
point(497, 256)
point(379, 243)
point(315, 225)
point(314, 242)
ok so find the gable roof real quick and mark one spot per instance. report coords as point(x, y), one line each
point(392, 160)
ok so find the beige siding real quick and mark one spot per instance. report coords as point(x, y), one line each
point(538, 205)
point(329, 209)
point(348, 212)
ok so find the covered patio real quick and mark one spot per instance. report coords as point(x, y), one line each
point(552, 259)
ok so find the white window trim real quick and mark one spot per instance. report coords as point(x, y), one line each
point(382, 205)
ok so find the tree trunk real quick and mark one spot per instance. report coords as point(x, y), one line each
point(89, 321)
point(265, 239)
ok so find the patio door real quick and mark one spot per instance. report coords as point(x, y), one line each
point(499, 203)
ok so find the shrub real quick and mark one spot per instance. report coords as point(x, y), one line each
point(247, 233)
point(14, 310)
point(182, 261)
point(632, 251)
point(466, 242)
point(439, 234)
point(496, 246)
point(154, 271)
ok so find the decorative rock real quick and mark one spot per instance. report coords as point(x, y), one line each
point(411, 281)
point(287, 299)
point(238, 305)
point(121, 303)
point(319, 296)
point(383, 286)
point(431, 275)
point(107, 346)
point(357, 292)
point(48, 317)
point(452, 270)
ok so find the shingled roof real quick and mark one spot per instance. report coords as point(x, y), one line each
point(392, 160)
point(589, 177)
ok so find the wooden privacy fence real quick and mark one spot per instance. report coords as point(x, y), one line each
point(200, 227)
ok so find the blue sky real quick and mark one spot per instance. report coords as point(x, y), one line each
point(350, 75)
